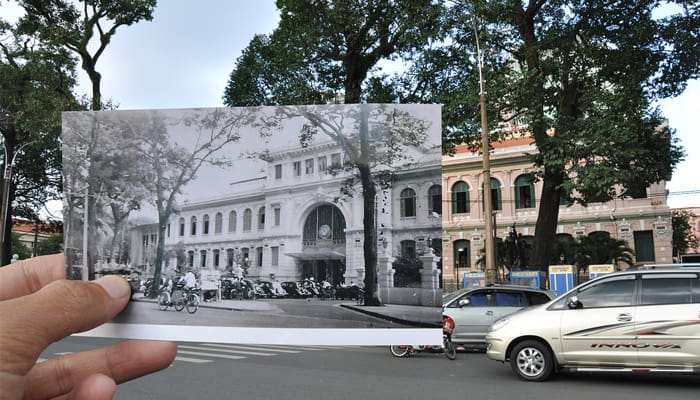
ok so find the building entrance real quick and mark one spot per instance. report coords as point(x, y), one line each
point(332, 271)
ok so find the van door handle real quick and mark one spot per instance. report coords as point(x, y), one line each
point(624, 317)
point(489, 312)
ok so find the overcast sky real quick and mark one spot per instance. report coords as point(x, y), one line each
point(184, 56)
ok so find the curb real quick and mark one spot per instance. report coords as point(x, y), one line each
point(363, 310)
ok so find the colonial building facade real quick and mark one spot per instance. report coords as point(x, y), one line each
point(643, 221)
point(293, 222)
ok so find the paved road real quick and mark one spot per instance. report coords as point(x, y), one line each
point(206, 371)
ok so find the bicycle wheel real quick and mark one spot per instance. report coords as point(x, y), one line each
point(398, 350)
point(192, 303)
point(450, 349)
point(164, 301)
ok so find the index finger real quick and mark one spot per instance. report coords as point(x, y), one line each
point(27, 276)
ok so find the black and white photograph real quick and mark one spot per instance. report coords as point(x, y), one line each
point(289, 224)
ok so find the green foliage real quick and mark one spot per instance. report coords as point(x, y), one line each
point(85, 28)
point(407, 270)
point(328, 54)
point(683, 237)
point(50, 245)
point(20, 248)
point(595, 248)
point(581, 78)
point(36, 81)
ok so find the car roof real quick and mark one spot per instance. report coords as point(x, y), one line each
point(681, 266)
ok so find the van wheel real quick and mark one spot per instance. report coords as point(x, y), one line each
point(532, 361)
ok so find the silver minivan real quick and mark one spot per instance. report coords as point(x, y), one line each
point(475, 309)
point(644, 320)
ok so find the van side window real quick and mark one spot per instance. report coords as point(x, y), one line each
point(667, 289)
point(617, 292)
point(537, 298)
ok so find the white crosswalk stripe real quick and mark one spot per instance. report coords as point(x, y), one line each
point(248, 353)
point(215, 355)
point(201, 353)
point(231, 346)
point(238, 351)
point(192, 360)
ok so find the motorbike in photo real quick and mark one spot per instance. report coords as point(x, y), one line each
point(447, 347)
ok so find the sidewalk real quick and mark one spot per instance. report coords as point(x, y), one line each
point(418, 316)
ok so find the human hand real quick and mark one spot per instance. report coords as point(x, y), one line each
point(38, 306)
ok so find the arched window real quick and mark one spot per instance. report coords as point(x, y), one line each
point(218, 222)
point(205, 224)
point(435, 199)
point(232, 216)
point(408, 203)
point(261, 218)
point(181, 232)
point(325, 223)
point(193, 225)
point(525, 191)
point(460, 198)
point(247, 220)
point(496, 201)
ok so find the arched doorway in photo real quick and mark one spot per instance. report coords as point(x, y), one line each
point(323, 247)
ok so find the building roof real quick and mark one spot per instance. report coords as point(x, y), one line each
point(29, 227)
point(463, 148)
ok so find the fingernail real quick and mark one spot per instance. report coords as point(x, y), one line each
point(115, 286)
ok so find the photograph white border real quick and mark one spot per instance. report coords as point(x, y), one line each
point(271, 336)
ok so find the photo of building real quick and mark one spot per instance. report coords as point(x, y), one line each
point(217, 207)
point(289, 224)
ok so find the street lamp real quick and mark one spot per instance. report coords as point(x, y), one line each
point(7, 177)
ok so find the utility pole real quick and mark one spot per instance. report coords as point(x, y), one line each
point(7, 180)
point(489, 250)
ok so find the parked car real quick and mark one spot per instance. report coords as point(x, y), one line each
point(295, 290)
point(474, 310)
point(272, 289)
point(642, 320)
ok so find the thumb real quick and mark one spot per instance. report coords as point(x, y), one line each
point(61, 308)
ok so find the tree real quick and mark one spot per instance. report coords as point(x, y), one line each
point(51, 245)
point(169, 166)
point(20, 248)
point(581, 79)
point(327, 55)
point(86, 31)
point(684, 238)
point(36, 79)
point(595, 248)
point(600, 248)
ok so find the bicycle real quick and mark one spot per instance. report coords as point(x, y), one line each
point(180, 299)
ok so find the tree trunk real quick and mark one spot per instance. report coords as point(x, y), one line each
point(547, 219)
point(160, 250)
point(369, 222)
